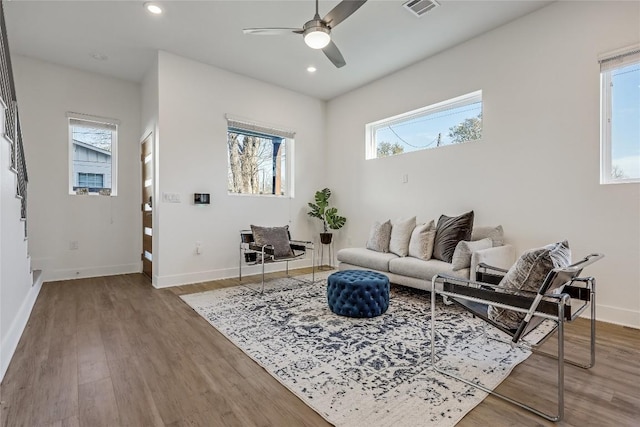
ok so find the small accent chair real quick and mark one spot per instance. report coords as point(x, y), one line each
point(561, 297)
point(253, 254)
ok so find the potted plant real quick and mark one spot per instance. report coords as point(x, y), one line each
point(329, 216)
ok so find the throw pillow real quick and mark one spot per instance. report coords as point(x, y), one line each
point(527, 274)
point(379, 236)
point(496, 234)
point(421, 242)
point(462, 255)
point(449, 232)
point(278, 237)
point(400, 236)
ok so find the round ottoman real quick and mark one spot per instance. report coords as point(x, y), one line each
point(358, 293)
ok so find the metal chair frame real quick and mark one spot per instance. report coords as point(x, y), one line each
point(265, 255)
point(537, 307)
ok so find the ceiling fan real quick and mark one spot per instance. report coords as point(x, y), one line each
point(317, 32)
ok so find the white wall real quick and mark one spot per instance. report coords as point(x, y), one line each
point(107, 229)
point(193, 101)
point(17, 290)
point(536, 170)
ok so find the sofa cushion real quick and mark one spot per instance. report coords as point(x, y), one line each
point(496, 234)
point(421, 242)
point(366, 258)
point(449, 232)
point(278, 237)
point(379, 236)
point(419, 269)
point(527, 274)
point(400, 235)
point(462, 255)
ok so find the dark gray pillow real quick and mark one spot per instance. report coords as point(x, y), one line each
point(527, 274)
point(278, 237)
point(449, 231)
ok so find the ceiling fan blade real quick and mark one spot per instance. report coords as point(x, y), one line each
point(342, 11)
point(334, 55)
point(272, 31)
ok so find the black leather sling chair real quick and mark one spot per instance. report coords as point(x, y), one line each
point(254, 254)
point(562, 296)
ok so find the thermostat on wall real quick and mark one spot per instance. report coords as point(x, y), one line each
point(201, 198)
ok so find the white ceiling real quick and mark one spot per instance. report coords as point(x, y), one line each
point(378, 39)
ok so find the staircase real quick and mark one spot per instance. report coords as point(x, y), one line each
point(19, 285)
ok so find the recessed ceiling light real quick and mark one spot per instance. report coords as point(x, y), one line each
point(98, 56)
point(311, 69)
point(153, 8)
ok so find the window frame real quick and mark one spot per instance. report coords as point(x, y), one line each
point(448, 104)
point(251, 128)
point(624, 58)
point(114, 149)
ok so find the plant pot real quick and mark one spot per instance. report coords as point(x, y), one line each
point(326, 238)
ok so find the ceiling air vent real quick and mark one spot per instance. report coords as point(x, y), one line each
point(420, 7)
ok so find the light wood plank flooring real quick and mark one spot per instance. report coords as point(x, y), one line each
point(113, 351)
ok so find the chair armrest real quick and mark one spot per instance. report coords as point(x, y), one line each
point(500, 256)
point(511, 299)
point(301, 242)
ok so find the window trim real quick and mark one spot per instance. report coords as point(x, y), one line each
point(261, 130)
point(372, 128)
point(114, 148)
point(610, 62)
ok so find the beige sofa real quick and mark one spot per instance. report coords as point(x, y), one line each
point(417, 273)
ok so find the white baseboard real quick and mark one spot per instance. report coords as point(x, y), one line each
point(168, 281)
point(11, 340)
point(618, 316)
point(84, 272)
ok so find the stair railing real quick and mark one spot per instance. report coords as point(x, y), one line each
point(13, 131)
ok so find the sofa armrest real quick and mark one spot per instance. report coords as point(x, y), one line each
point(500, 256)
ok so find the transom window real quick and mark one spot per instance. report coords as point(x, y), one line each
point(448, 122)
point(259, 159)
point(92, 154)
point(620, 116)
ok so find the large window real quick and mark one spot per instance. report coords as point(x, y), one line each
point(620, 116)
point(449, 122)
point(259, 159)
point(92, 154)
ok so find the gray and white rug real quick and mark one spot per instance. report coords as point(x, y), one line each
point(361, 372)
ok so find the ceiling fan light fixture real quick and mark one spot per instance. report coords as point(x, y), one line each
point(317, 38)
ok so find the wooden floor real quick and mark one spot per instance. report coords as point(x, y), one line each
point(113, 351)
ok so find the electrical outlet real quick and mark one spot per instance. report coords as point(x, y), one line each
point(73, 245)
point(198, 248)
point(405, 178)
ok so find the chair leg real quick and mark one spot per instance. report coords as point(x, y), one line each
point(262, 288)
point(313, 265)
point(240, 265)
point(560, 398)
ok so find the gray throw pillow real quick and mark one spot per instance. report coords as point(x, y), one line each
point(400, 236)
point(449, 232)
point(278, 237)
point(462, 255)
point(421, 242)
point(379, 236)
point(496, 234)
point(528, 274)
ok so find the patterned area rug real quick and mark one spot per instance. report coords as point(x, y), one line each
point(361, 372)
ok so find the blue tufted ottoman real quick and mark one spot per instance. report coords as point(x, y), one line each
point(358, 293)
